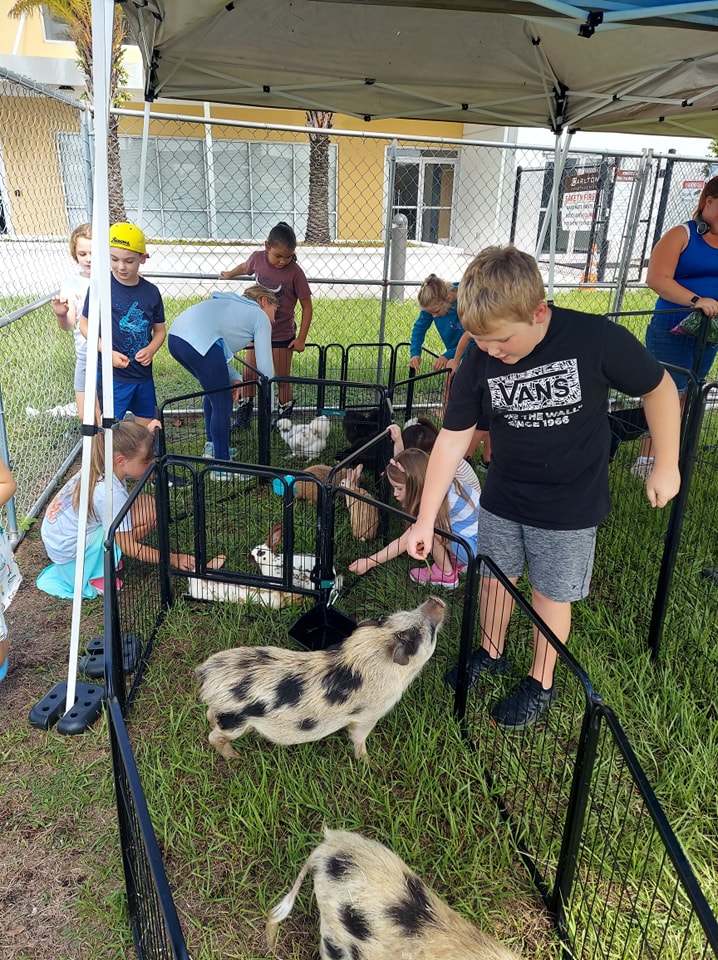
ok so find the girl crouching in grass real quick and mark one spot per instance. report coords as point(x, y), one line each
point(132, 454)
point(459, 514)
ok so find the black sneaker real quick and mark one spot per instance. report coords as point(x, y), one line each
point(242, 416)
point(526, 704)
point(710, 573)
point(284, 411)
point(480, 662)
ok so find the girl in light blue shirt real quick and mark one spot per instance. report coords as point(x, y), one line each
point(204, 339)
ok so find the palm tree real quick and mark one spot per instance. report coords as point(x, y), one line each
point(318, 214)
point(77, 14)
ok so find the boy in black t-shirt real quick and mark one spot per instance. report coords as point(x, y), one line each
point(540, 380)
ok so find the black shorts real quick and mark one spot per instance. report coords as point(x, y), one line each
point(282, 344)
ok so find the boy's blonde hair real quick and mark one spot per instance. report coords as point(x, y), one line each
point(256, 291)
point(435, 290)
point(84, 231)
point(500, 284)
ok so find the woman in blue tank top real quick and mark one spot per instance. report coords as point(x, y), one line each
point(683, 271)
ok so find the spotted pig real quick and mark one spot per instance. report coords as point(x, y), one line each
point(373, 907)
point(290, 696)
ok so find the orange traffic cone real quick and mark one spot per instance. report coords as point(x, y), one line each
point(589, 277)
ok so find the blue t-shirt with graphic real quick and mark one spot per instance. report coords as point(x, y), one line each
point(136, 310)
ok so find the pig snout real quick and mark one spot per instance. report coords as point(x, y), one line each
point(433, 609)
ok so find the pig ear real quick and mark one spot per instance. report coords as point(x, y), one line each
point(402, 647)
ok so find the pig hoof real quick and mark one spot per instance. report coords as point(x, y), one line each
point(222, 745)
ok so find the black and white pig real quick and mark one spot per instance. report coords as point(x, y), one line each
point(290, 696)
point(373, 907)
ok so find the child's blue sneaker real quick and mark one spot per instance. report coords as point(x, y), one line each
point(3, 668)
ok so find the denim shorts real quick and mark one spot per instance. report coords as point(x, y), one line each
point(80, 372)
point(560, 562)
point(677, 349)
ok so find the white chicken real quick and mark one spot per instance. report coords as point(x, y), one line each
point(305, 439)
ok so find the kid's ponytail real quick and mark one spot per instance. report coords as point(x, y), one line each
point(129, 439)
point(435, 290)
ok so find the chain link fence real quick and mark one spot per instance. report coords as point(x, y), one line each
point(383, 212)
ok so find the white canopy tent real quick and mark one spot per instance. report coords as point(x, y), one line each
point(648, 66)
point(645, 66)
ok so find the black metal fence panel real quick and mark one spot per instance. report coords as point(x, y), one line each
point(573, 795)
point(153, 918)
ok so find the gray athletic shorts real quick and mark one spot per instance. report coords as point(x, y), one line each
point(560, 562)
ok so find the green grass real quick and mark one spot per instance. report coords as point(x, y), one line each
point(234, 836)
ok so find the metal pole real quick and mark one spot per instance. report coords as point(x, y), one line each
point(143, 164)
point(663, 202)
point(13, 533)
point(391, 179)
point(633, 220)
point(397, 266)
point(695, 404)
point(87, 161)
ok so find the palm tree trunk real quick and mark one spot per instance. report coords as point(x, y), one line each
point(318, 214)
point(118, 212)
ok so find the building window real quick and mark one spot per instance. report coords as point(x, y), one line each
point(424, 192)
point(227, 190)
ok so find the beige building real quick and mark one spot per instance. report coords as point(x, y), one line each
point(210, 179)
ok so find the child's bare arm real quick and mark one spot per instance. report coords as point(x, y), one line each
point(663, 415)
point(460, 351)
point(132, 547)
point(239, 271)
point(64, 311)
point(7, 483)
point(395, 434)
point(389, 552)
point(450, 447)
point(300, 340)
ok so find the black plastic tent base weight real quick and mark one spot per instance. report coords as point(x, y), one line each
point(93, 663)
point(51, 709)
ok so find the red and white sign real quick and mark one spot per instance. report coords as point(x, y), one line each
point(690, 191)
point(579, 201)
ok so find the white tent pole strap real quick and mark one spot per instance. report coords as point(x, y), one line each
point(211, 180)
point(99, 284)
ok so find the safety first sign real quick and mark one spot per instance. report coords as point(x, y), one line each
point(579, 201)
point(690, 191)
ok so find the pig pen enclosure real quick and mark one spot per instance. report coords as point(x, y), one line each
point(551, 838)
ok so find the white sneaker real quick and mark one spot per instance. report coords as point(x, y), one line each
point(642, 467)
point(208, 450)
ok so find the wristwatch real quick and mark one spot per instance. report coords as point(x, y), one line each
point(694, 300)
